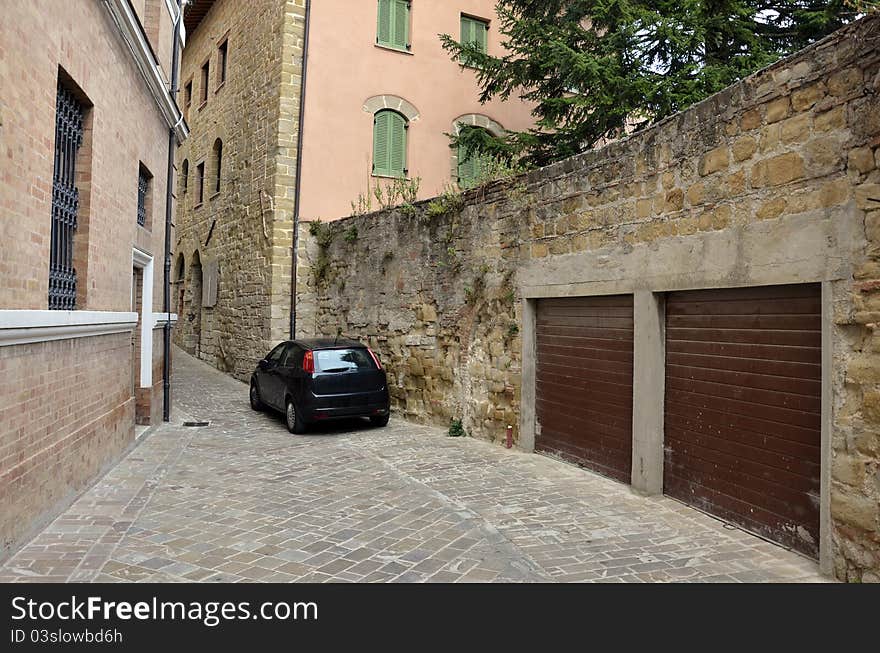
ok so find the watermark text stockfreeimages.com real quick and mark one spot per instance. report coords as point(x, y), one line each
point(208, 613)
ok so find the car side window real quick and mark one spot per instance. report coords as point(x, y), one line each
point(292, 355)
point(276, 353)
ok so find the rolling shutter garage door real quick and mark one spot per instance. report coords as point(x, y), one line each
point(584, 382)
point(742, 415)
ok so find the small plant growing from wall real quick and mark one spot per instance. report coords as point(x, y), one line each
point(449, 202)
point(399, 192)
point(323, 234)
point(351, 234)
point(456, 429)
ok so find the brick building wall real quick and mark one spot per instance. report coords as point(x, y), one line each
point(244, 230)
point(67, 406)
point(774, 180)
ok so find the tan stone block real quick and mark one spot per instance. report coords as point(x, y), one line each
point(428, 313)
point(824, 154)
point(704, 221)
point(538, 230)
point(803, 98)
point(776, 110)
point(845, 81)
point(848, 469)
point(868, 196)
point(744, 148)
point(771, 209)
point(864, 370)
point(580, 243)
point(750, 119)
point(674, 200)
point(854, 510)
point(867, 270)
point(539, 250)
point(736, 183)
point(770, 137)
point(834, 193)
point(695, 193)
point(872, 227)
point(830, 120)
point(721, 217)
point(559, 246)
point(778, 170)
point(714, 160)
point(861, 159)
point(795, 130)
point(643, 208)
point(871, 406)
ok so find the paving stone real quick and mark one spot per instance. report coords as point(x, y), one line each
point(242, 500)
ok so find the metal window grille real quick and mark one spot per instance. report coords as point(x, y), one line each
point(69, 115)
point(143, 184)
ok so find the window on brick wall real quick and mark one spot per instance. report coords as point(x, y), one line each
point(70, 114)
point(184, 177)
point(144, 197)
point(206, 76)
point(217, 156)
point(200, 182)
point(222, 56)
point(187, 98)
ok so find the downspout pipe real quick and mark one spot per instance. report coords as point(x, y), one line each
point(299, 166)
point(169, 189)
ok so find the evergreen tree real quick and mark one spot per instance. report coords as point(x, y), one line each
point(598, 68)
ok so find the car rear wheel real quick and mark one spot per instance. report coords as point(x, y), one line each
point(292, 418)
point(379, 421)
point(256, 403)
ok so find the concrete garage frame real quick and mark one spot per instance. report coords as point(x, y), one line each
point(794, 251)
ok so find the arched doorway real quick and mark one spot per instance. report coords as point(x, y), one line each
point(179, 285)
point(194, 306)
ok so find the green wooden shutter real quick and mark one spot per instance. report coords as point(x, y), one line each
point(400, 34)
point(383, 29)
point(397, 137)
point(481, 35)
point(381, 146)
point(467, 169)
point(389, 144)
point(476, 32)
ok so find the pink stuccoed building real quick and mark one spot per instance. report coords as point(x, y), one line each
point(357, 71)
point(379, 98)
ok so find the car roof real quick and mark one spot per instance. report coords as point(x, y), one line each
point(327, 343)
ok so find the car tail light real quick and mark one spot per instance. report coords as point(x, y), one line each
point(309, 363)
point(375, 358)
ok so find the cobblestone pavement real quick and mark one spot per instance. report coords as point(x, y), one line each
point(243, 500)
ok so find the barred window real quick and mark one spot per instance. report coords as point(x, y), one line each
point(69, 118)
point(144, 178)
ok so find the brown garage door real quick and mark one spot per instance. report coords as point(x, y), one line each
point(584, 382)
point(742, 422)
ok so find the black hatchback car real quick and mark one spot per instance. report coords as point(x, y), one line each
point(321, 379)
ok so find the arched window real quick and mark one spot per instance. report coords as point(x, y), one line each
point(218, 163)
point(184, 176)
point(389, 144)
point(471, 166)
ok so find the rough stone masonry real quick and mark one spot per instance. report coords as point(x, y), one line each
point(774, 180)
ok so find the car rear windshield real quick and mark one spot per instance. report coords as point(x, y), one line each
point(343, 360)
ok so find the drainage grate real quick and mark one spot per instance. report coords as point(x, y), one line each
point(196, 423)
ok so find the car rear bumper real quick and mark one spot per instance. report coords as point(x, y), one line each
point(322, 414)
point(325, 407)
